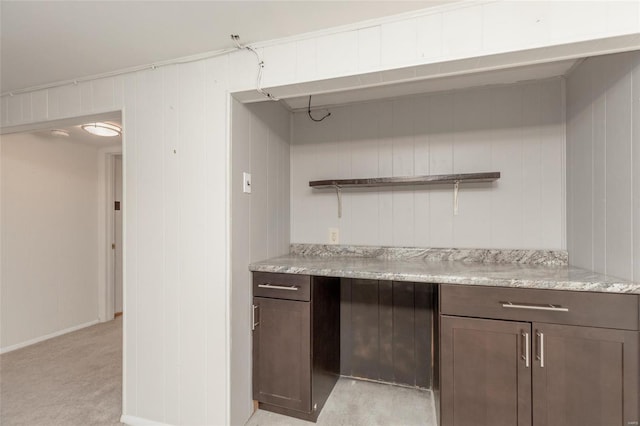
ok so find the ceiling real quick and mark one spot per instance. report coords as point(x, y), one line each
point(42, 42)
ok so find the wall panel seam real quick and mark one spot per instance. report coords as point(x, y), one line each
point(631, 193)
point(593, 160)
point(606, 204)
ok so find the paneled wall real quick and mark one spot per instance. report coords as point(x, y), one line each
point(517, 130)
point(603, 165)
point(176, 225)
point(386, 331)
point(260, 135)
point(49, 199)
point(175, 291)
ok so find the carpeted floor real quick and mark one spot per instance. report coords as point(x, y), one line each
point(360, 403)
point(76, 380)
point(71, 380)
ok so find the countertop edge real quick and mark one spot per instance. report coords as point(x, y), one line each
point(621, 287)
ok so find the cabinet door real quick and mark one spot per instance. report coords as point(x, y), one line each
point(485, 372)
point(584, 376)
point(282, 353)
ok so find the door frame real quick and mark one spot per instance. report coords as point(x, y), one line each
point(106, 256)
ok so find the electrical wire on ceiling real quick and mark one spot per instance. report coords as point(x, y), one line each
point(317, 120)
point(236, 40)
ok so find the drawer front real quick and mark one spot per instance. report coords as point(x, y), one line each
point(550, 306)
point(282, 286)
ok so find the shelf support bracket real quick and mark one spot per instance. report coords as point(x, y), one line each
point(456, 186)
point(339, 195)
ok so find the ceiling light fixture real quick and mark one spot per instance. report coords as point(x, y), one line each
point(60, 132)
point(102, 129)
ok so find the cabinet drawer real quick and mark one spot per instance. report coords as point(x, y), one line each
point(282, 286)
point(551, 306)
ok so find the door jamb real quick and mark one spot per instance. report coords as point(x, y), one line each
point(106, 256)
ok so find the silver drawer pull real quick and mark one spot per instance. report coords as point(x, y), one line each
point(279, 287)
point(554, 308)
point(540, 357)
point(255, 322)
point(525, 337)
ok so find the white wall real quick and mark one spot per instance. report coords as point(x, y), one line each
point(517, 130)
point(175, 241)
point(49, 201)
point(259, 225)
point(177, 224)
point(603, 165)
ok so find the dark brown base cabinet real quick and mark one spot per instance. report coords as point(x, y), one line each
point(543, 358)
point(483, 381)
point(296, 342)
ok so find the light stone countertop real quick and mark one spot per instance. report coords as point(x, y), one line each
point(556, 277)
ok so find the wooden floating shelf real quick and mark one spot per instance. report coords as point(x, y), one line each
point(406, 180)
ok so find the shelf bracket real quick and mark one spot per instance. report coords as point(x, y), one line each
point(456, 186)
point(339, 195)
point(455, 179)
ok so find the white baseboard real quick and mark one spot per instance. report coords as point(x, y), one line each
point(139, 421)
point(47, 337)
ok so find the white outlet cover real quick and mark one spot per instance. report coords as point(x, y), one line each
point(246, 183)
point(334, 235)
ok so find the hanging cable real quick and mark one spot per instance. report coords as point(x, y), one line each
point(236, 40)
point(317, 120)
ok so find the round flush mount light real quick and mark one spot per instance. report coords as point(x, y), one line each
point(60, 132)
point(102, 129)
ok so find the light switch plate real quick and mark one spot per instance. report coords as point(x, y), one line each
point(246, 183)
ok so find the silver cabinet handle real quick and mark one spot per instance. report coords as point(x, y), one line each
point(540, 336)
point(525, 356)
point(554, 308)
point(254, 323)
point(279, 287)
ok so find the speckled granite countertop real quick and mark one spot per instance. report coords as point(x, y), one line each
point(429, 269)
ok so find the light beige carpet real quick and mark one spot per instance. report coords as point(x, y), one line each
point(360, 403)
point(75, 379)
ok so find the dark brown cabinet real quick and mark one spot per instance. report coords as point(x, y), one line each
point(486, 372)
point(519, 369)
point(282, 353)
point(584, 376)
point(296, 342)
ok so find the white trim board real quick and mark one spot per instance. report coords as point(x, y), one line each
point(47, 337)
point(229, 242)
point(139, 421)
point(108, 115)
point(105, 225)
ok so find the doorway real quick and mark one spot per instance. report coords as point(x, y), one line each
point(57, 182)
point(55, 186)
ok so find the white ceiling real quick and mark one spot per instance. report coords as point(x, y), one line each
point(77, 135)
point(42, 42)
